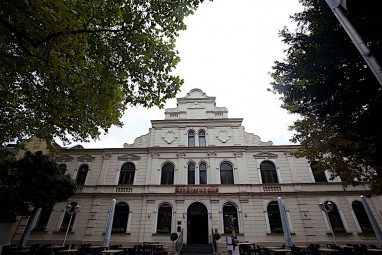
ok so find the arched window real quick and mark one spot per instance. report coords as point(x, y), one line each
point(164, 219)
point(191, 173)
point(81, 174)
point(318, 172)
point(230, 219)
point(127, 173)
point(167, 174)
point(43, 219)
point(274, 217)
point(202, 173)
point(226, 173)
point(62, 168)
point(362, 218)
point(121, 216)
point(202, 138)
point(191, 138)
point(335, 219)
point(68, 219)
point(268, 172)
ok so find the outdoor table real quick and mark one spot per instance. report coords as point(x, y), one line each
point(283, 251)
point(71, 251)
point(375, 250)
point(153, 246)
point(111, 251)
point(327, 251)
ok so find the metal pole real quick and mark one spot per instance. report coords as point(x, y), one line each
point(371, 61)
point(67, 229)
point(29, 227)
point(109, 225)
point(284, 222)
point(331, 228)
point(373, 221)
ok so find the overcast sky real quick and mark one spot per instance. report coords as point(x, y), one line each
point(227, 51)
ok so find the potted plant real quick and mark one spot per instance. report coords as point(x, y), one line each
point(216, 236)
point(174, 237)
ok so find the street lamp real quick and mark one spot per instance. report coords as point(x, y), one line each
point(71, 210)
point(328, 207)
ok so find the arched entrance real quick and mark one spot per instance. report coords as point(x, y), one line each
point(197, 224)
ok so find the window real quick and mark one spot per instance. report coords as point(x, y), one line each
point(167, 174)
point(335, 219)
point(202, 173)
point(202, 138)
point(226, 173)
point(127, 173)
point(191, 173)
point(81, 174)
point(318, 172)
point(121, 216)
point(164, 219)
point(191, 138)
point(43, 219)
point(268, 172)
point(68, 219)
point(230, 220)
point(274, 217)
point(62, 168)
point(362, 218)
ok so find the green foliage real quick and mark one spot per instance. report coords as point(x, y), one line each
point(72, 67)
point(33, 181)
point(216, 236)
point(325, 80)
point(174, 236)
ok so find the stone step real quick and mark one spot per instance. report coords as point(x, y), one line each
point(200, 249)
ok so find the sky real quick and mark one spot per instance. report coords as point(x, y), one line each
point(227, 51)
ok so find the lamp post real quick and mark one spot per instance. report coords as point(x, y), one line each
point(328, 207)
point(71, 210)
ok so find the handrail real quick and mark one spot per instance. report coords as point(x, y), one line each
point(179, 243)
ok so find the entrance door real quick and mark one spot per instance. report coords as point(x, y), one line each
point(197, 224)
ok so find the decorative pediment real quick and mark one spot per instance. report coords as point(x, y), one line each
point(85, 158)
point(129, 157)
point(265, 155)
point(64, 157)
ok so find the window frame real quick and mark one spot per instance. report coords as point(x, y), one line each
point(274, 218)
point(165, 178)
point(125, 219)
point(227, 226)
point(269, 176)
point(167, 224)
point(227, 179)
point(202, 138)
point(364, 218)
point(191, 141)
point(200, 173)
point(82, 175)
point(191, 180)
point(127, 172)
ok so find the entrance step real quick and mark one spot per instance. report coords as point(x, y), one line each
point(200, 249)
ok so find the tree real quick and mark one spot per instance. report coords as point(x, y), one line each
point(34, 181)
point(71, 67)
point(326, 81)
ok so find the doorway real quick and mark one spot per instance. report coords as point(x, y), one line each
point(197, 224)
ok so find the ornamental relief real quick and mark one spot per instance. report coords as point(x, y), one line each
point(169, 137)
point(223, 136)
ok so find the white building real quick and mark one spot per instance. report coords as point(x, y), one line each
point(199, 172)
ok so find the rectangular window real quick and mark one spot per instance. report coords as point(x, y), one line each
point(43, 219)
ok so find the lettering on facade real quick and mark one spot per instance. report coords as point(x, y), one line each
point(196, 190)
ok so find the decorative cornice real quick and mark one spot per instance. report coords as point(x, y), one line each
point(85, 157)
point(129, 157)
point(265, 155)
point(64, 157)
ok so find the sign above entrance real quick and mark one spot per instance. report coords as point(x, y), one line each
point(196, 190)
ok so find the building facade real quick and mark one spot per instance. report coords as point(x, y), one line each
point(198, 172)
